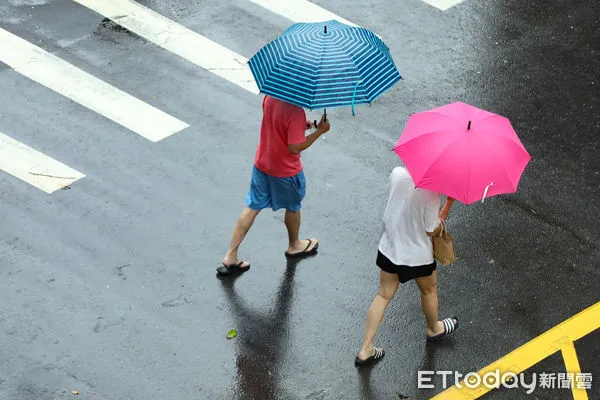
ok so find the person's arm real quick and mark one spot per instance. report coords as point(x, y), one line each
point(322, 127)
point(446, 209)
point(431, 216)
point(436, 231)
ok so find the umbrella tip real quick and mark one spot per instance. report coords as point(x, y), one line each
point(469, 126)
point(325, 29)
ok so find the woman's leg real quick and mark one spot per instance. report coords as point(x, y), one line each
point(429, 301)
point(388, 284)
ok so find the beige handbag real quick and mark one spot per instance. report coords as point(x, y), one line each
point(443, 246)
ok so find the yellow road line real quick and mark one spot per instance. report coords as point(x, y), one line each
point(572, 364)
point(534, 351)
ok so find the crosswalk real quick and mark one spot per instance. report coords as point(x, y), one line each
point(123, 108)
point(300, 10)
point(33, 167)
point(443, 4)
point(85, 89)
point(177, 39)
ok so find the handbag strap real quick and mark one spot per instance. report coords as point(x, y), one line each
point(443, 227)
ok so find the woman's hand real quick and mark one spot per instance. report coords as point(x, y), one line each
point(446, 209)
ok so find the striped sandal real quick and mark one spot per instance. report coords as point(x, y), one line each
point(449, 327)
point(379, 353)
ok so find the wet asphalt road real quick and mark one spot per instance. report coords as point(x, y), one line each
point(109, 288)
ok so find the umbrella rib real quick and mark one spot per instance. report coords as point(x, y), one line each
point(420, 136)
point(318, 65)
point(354, 63)
point(514, 184)
point(519, 145)
point(514, 139)
point(490, 116)
point(468, 183)
point(492, 149)
point(318, 70)
point(442, 115)
point(437, 158)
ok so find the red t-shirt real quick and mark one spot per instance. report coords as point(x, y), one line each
point(282, 124)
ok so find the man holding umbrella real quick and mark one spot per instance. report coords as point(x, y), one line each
point(314, 66)
point(277, 179)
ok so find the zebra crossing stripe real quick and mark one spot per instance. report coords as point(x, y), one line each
point(64, 78)
point(305, 11)
point(300, 11)
point(443, 4)
point(177, 39)
point(34, 167)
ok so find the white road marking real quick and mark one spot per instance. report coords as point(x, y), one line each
point(177, 39)
point(300, 11)
point(85, 89)
point(34, 167)
point(443, 4)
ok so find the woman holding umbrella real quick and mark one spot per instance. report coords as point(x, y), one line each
point(411, 216)
point(464, 152)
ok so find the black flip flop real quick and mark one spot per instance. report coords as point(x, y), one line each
point(232, 269)
point(379, 353)
point(304, 253)
point(449, 327)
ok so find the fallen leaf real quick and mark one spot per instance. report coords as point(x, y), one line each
point(231, 334)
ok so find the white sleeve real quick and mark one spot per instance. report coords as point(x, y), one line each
point(432, 210)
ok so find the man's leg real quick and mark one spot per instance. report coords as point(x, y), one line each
point(388, 284)
point(292, 223)
point(288, 193)
point(244, 222)
point(257, 198)
point(429, 303)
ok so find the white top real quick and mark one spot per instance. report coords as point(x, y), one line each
point(409, 214)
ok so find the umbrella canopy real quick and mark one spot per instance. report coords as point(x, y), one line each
point(323, 65)
point(463, 152)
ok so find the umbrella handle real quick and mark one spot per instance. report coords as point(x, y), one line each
point(325, 114)
point(354, 96)
point(486, 188)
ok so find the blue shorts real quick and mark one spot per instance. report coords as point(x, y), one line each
point(268, 191)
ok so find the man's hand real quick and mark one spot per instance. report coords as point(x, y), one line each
point(323, 125)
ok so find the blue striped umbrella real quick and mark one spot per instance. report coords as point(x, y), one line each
point(323, 65)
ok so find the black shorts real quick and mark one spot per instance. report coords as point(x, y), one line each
point(405, 272)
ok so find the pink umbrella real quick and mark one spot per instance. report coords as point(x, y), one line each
point(463, 152)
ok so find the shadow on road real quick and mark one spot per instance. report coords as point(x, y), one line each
point(366, 391)
point(430, 363)
point(263, 339)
